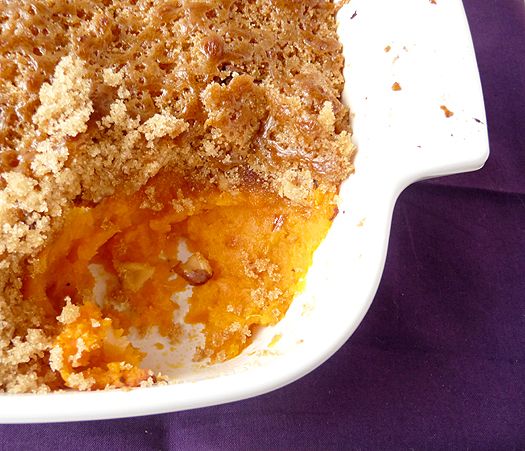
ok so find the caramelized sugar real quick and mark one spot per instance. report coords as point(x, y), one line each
point(169, 52)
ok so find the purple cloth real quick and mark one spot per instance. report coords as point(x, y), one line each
point(439, 361)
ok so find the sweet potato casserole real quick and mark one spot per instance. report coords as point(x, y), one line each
point(130, 128)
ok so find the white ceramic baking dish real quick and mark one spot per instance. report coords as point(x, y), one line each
point(403, 136)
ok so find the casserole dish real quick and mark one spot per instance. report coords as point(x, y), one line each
point(413, 87)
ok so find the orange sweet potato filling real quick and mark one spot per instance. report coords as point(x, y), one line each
point(104, 358)
point(257, 245)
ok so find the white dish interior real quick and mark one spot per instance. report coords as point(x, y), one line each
point(402, 136)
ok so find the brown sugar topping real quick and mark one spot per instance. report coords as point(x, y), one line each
point(97, 97)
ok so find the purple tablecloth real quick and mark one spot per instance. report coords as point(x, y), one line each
point(439, 361)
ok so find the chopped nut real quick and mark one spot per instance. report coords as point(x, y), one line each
point(196, 270)
point(135, 275)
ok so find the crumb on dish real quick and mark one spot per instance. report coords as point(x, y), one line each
point(447, 112)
